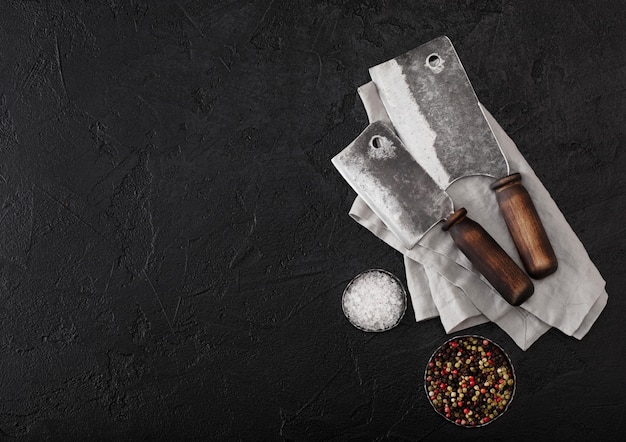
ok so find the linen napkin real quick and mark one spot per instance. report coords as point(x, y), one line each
point(442, 282)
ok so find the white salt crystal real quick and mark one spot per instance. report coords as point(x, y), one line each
point(374, 301)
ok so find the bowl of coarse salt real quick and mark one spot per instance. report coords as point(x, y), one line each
point(374, 301)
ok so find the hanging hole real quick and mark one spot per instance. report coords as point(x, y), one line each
point(375, 142)
point(434, 61)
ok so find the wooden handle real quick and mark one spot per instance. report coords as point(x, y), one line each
point(526, 229)
point(489, 258)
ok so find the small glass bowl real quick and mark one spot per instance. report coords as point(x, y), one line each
point(458, 379)
point(396, 293)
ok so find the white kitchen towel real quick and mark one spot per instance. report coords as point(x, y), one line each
point(441, 281)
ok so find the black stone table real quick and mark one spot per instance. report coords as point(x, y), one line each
point(175, 241)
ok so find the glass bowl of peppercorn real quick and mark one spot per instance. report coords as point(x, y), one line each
point(470, 381)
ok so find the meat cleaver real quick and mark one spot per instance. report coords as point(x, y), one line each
point(383, 172)
point(436, 113)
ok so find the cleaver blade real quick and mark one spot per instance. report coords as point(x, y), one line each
point(392, 183)
point(435, 111)
point(383, 172)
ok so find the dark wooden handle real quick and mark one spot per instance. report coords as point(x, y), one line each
point(526, 229)
point(489, 258)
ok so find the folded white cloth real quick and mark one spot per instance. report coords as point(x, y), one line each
point(442, 282)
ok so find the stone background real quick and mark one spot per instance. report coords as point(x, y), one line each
point(175, 241)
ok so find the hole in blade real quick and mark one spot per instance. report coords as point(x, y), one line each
point(433, 60)
point(375, 142)
point(435, 63)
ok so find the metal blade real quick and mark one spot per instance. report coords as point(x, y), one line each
point(382, 172)
point(435, 111)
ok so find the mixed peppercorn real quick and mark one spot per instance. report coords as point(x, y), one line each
point(470, 381)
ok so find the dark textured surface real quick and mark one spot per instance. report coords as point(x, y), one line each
point(175, 240)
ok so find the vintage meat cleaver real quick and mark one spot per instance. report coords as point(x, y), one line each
point(382, 171)
point(436, 113)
